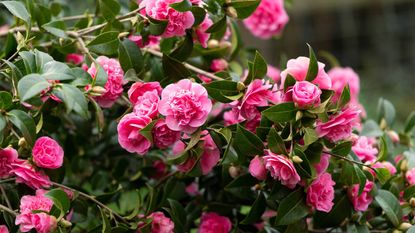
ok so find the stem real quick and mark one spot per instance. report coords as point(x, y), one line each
point(8, 210)
point(91, 198)
point(76, 17)
point(187, 65)
point(348, 160)
point(5, 197)
point(81, 43)
point(7, 180)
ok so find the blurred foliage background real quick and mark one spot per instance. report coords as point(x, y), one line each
point(374, 37)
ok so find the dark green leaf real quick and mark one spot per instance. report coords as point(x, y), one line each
point(184, 50)
point(257, 209)
point(3, 124)
point(382, 174)
point(303, 168)
point(174, 69)
point(218, 26)
point(157, 27)
point(109, 9)
point(199, 14)
point(17, 9)
point(410, 122)
point(6, 100)
point(281, 113)
point(56, 28)
point(178, 214)
point(147, 131)
point(313, 66)
point(383, 149)
point(342, 149)
point(101, 76)
point(54, 70)
point(289, 82)
point(292, 208)
point(24, 123)
point(310, 136)
point(106, 225)
point(130, 56)
point(276, 143)
point(31, 85)
point(75, 100)
point(220, 90)
point(244, 8)
point(247, 143)
point(341, 210)
point(345, 97)
point(106, 43)
point(183, 6)
point(242, 181)
point(60, 199)
point(390, 205)
point(386, 111)
point(257, 69)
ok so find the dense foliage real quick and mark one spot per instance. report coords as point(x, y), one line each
point(153, 117)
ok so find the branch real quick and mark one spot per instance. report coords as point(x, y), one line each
point(348, 160)
point(8, 210)
point(187, 65)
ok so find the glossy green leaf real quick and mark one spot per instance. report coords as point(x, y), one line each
point(256, 211)
point(178, 214)
point(390, 205)
point(31, 85)
point(24, 123)
point(410, 122)
point(109, 9)
point(246, 143)
point(157, 27)
point(184, 49)
point(147, 131)
point(220, 90)
point(101, 76)
point(386, 111)
point(313, 66)
point(292, 208)
point(218, 25)
point(174, 69)
point(289, 82)
point(130, 56)
point(6, 100)
point(106, 224)
point(75, 100)
point(56, 28)
point(106, 43)
point(341, 210)
point(54, 70)
point(244, 8)
point(342, 149)
point(183, 6)
point(344, 97)
point(276, 143)
point(60, 199)
point(383, 149)
point(310, 136)
point(17, 9)
point(382, 174)
point(199, 13)
point(257, 69)
point(281, 113)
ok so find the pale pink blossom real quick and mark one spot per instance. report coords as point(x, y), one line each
point(274, 73)
point(410, 176)
point(323, 164)
point(320, 193)
point(268, 20)
point(129, 135)
point(364, 148)
point(47, 153)
point(201, 34)
point(139, 88)
point(151, 41)
point(232, 116)
point(306, 95)
point(258, 94)
point(113, 86)
point(257, 168)
point(163, 136)
point(27, 174)
point(340, 77)
point(75, 58)
point(211, 222)
point(8, 155)
point(339, 126)
point(298, 68)
point(147, 104)
point(160, 223)
point(282, 169)
point(185, 105)
point(384, 164)
point(362, 201)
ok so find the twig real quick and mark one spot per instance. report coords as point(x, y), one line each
point(348, 160)
point(82, 44)
point(7, 180)
point(76, 17)
point(8, 210)
point(91, 198)
point(5, 197)
point(187, 65)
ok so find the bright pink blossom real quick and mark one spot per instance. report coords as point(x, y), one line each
point(384, 164)
point(3, 229)
point(129, 135)
point(47, 153)
point(8, 155)
point(274, 73)
point(160, 223)
point(364, 148)
point(282, 169)
point(339, 126)
point(113, 86)
point(257, 168)
point(268, 19)
point(151, 41)
point(320, 193)
point(298, 68)
point(139, 88)
point(27, 174)
point(218, 64)
point(177, 22)
point(410, 176)
point(323, 164)
point(75, 58)
point(163, 136)
point(201, 34)
point(147, 104)
point(192, 189)
point(306, 95)
point(362, 201)
point(257, 94)
point(185, 105)
point(340, 77)
point(214, 223)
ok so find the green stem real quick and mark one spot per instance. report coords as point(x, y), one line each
point(8, 210)
point(348, 160)
point(7, 180)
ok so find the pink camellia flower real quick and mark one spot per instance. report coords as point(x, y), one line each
point(185, 105)
point(113, 86)
point(268, 19)
point(232, 117)
point(257, 94)
point(362, 201)
point(274, 73)
point(384, 164)
point(27, 174)
point(129, 135)
point(214, 223)
point(320, 193)
point(364, 148)
point(151, 41)
point(3, 229)
point(47, 153)
point(160, 223)
point(340, 77)
point(201, 34)
point(159, 169)
point(219, 64)
point(257, 168)
point(178, 22)
point(339, 126)
point(282, 169)
point(410, 176)
point(323, 164)
point(147, 104)
point(28, 219)
point(163, 136)
point(192, 189)
point(306, 95)
point(139, 88)
point(298, 68)
point(7, 157)
point(75, 58)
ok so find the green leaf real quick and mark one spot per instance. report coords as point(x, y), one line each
point(390, 205)
point(411, 230)
point(174, 69)
point(31, 85)
point(178, 215)
point(303, 168)
point(257, 69)
point(130, 56)
point(281, 113)
point(410, 122)
point(106, 225)
point(184, 50)
point(24, 123)
point(257, 209)
point(310, 136)
point(56, 28)
point(106, 43)
point(199, 14)
point(247, 143)
point(194, 140)
point(313, 66)
point(109, 9)
point(371, 129)
point(60, 200)
point(54, 70)
point(289, 82)
point(382, 174)
point(292, 208)
point(182, 6)
point(341, 210)
point(101, 76)
point(17, 9)
point(386, 111)
point(41, 58)
point(218, 26)
point(342, 149)
point(157, 27)
point(147, 131)
point(276, 143)
point(383, 149)
point(221, 90)
point(6, 100)
point(75, 100)
point(345, 97)
point(245, 180)
point(244, 8)
point(29, 61)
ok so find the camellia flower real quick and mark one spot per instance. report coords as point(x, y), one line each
point(160, 223)
point(151, 41)
point(364, 148)
point(410, 176)
point(268, 19)
point(47, 153)
point(113, 86)
point(274, 73)
point(185, 105)
point(320, 193)
point(129, 135)
point(7, 157)
point(3, 229)
point(139, 88)
point(75, 58)
point(27, 174)
point(202, 35)
point(384, 164)
point(178, 22)
point(163, 136)
point(340, 77)
point(306, 95)
point(298, 68)
point(282, 169)
point(214, 223)
point(28, 219)
point(218, 64)
point(257, 168)
point(323, 164)
point(339, 127)
point(147, 104)
point(257, 94)
point(362, 201)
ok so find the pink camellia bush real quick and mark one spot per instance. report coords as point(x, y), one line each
point(365, 149)
point(47, 153)
point(138, 89)
point(340, 77)
point(163, 136)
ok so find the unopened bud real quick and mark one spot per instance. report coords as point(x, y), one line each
point(66, 224)
point(298, 115)
point(404, 226)
point(393, 135)
point(213, 44)
point(225, 44)
point(397, 231)
point(383, 123)
point(228, 1)
point(234, 171)
point(22, 142)
point(98, 90)
point(231, 12)
point(404, 165)
point(123, 34)
point(412, 201)
point(240, 86)
point(297, 159)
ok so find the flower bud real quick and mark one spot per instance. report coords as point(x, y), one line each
point(393, 135)
point(298, 115)
point(231, 12)
point(213, 44)
point(297, 159)
point(397, 231)
point(22, 142)
point(412, 201)
point(383, 124)
point(66, 224)
point(240, 86)
point(404, 165)
point(234, 171)
point(225, 44)
point(405, 226)
point(98, 90)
